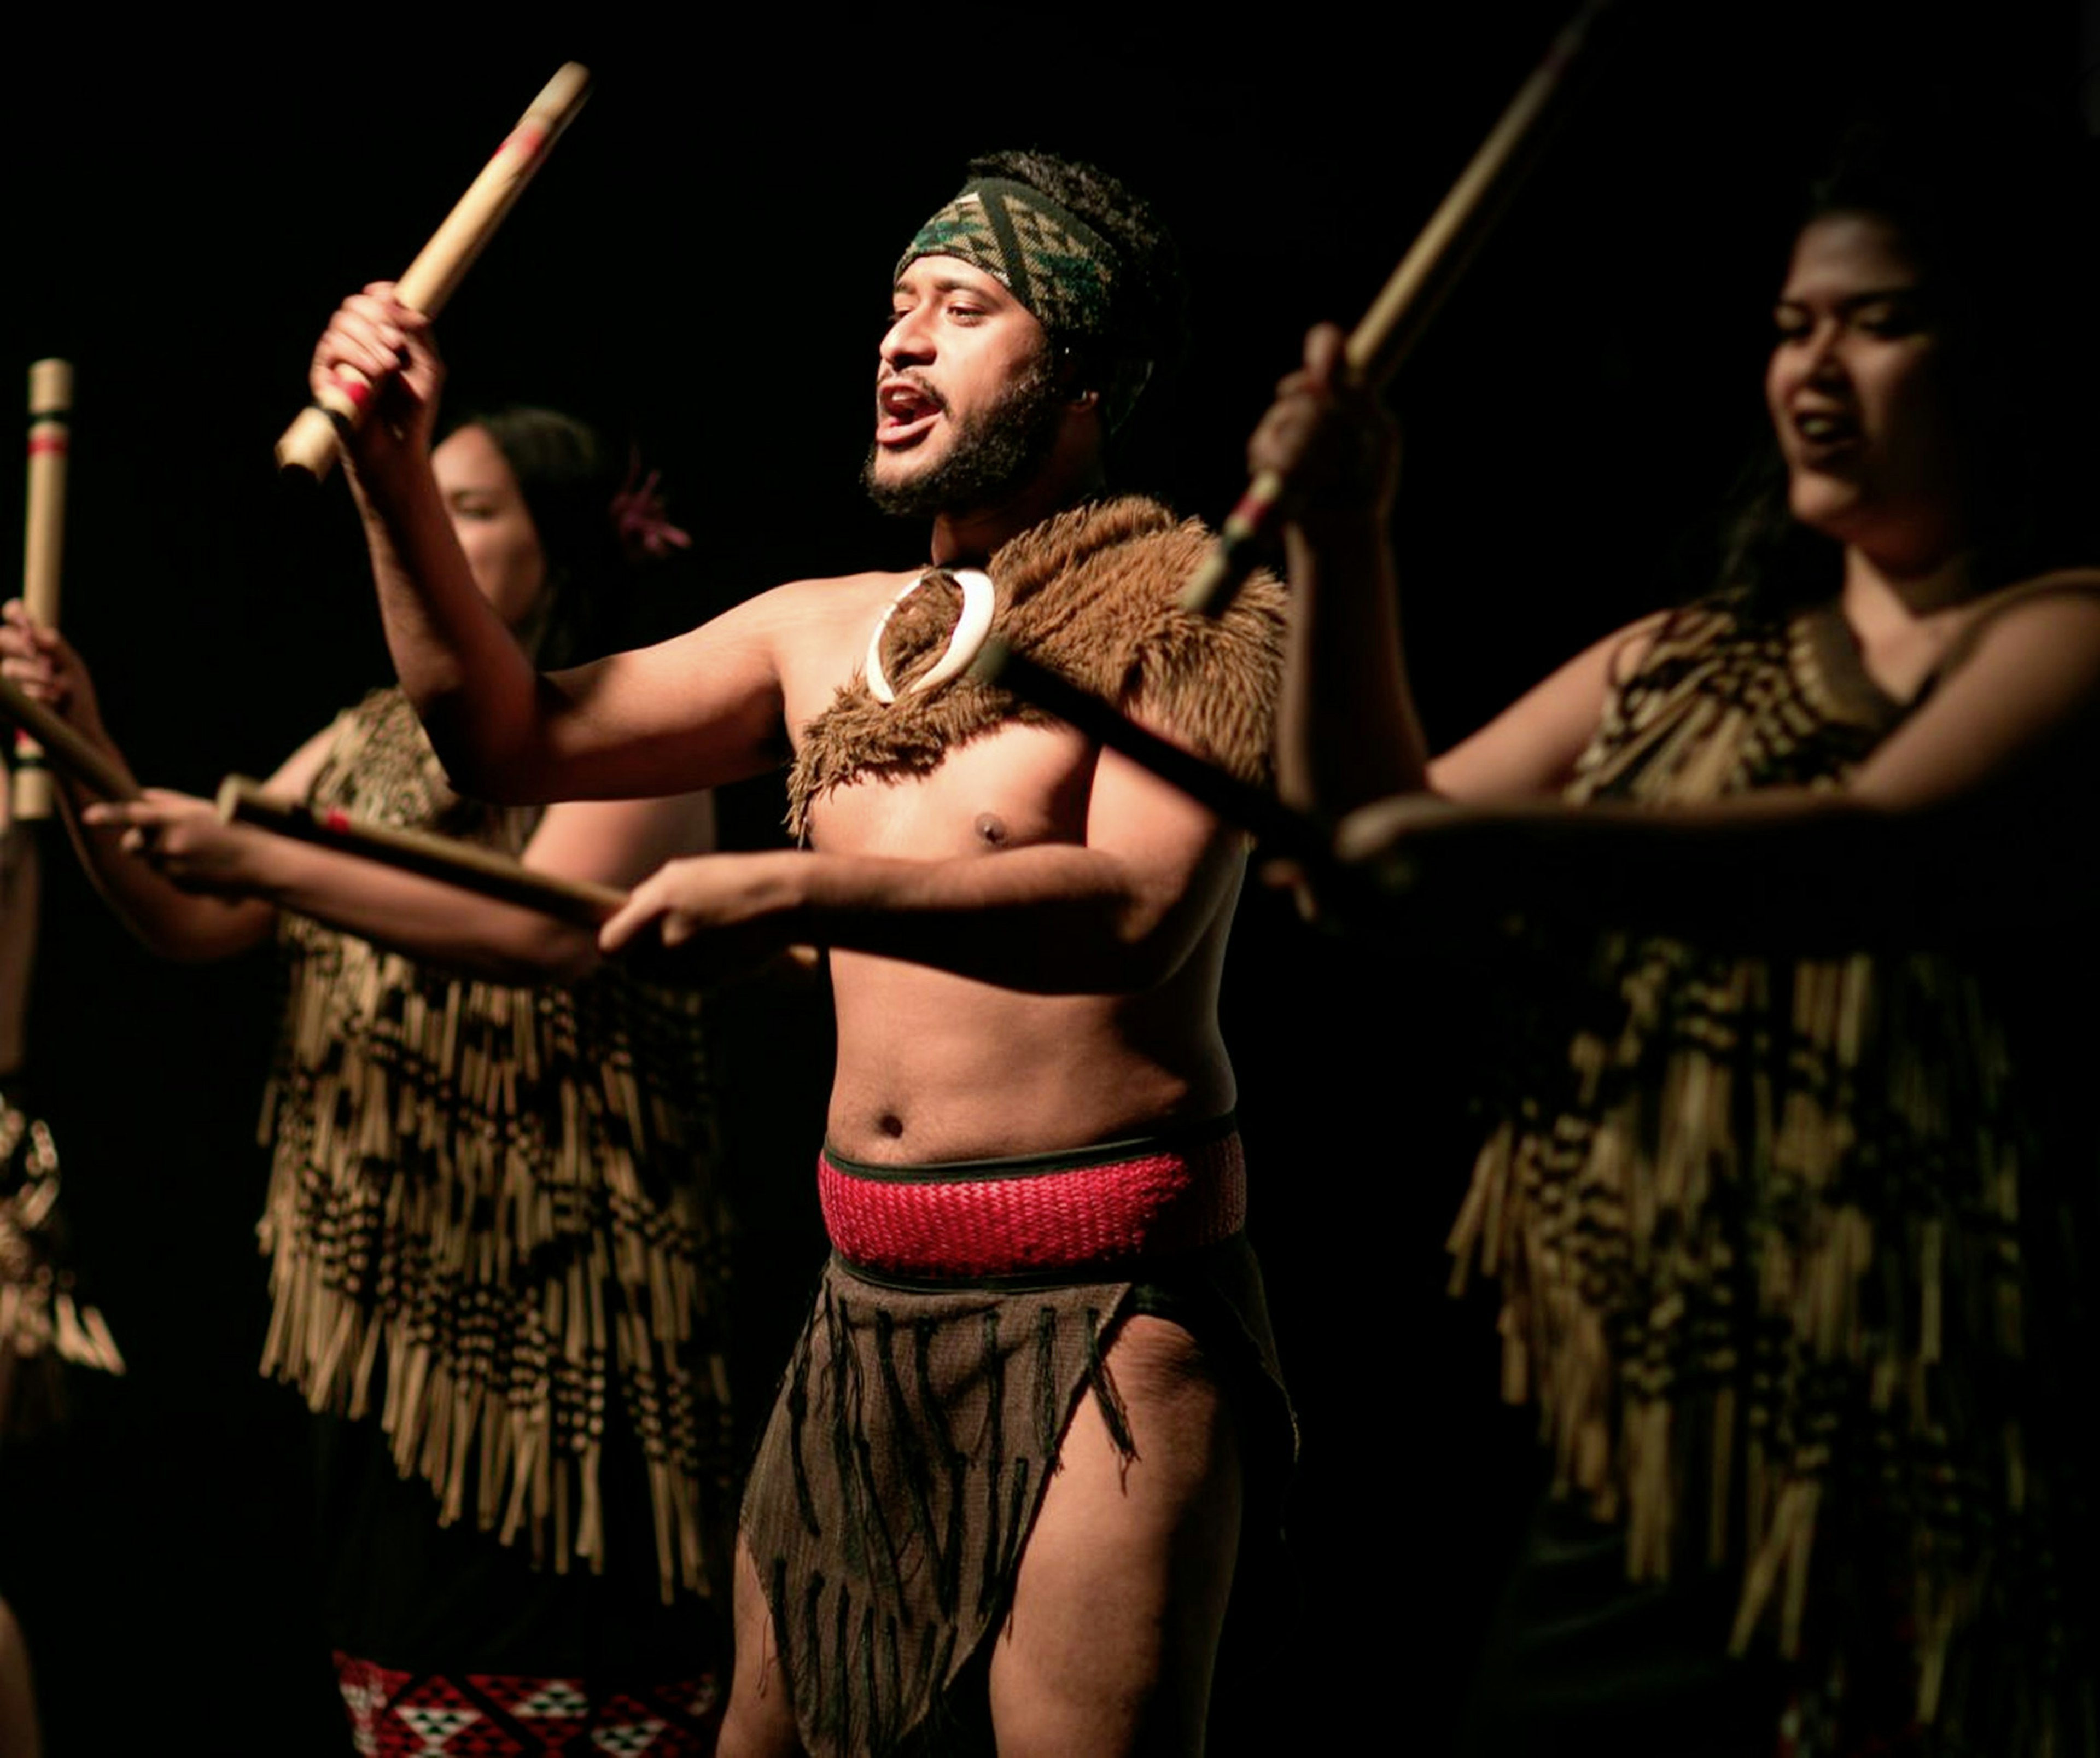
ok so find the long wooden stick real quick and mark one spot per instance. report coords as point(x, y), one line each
point(64, 749)
point(308, 443)
point(1402, 310)
point(43, 545)
point(241, 801)
point(1286, 832)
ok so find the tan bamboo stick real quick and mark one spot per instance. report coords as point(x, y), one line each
point(483, 871)
point(308, 444)
point(64, 749)
point(43, 545)
point(1402, 310)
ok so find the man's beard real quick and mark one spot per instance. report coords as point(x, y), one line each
point(992, 452)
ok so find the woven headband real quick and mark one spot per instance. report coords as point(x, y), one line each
point(1062, 271)
point(1058, 267)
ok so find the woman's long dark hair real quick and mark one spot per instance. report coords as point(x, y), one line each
point(1998, 215)
point(567, 476)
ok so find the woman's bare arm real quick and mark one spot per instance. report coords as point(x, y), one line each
point(188, 850)
point(1965, 820)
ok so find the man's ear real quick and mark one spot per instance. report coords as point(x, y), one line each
point(1076, 378)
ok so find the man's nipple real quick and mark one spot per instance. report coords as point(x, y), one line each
point(991, 829)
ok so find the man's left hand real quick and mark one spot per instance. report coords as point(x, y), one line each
point(716, 913)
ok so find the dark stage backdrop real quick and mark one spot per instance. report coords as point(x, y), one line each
point(705, 265)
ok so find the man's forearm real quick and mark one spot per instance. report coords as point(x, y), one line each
point(1048, 920)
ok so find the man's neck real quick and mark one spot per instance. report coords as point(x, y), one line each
point(963, 538)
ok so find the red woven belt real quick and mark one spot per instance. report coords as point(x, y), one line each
point(1007, 1218)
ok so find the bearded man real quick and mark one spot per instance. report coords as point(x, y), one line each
point(1004, 1488)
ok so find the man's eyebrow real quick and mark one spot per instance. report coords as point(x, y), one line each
point(986, 284)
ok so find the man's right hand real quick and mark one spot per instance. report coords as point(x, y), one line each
point(374, 337)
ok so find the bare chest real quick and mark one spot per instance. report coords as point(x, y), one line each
point(1012, 788)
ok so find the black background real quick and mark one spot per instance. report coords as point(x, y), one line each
point(703, 265)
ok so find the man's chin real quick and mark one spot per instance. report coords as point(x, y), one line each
point(897, 467)
point(903, 483)
point(973, 461)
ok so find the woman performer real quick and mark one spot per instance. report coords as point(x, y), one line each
point(20, 1268)
point(41, 1324)
point(495, 1237)
point(1783, 1177)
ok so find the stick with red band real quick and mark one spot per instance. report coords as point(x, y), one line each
point(43, 544)
point(1403, 309)
point(308, 443)
point(481, 870)
point(64, 749)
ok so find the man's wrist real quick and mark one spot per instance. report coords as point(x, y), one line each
point(793, 892)
point(389, 478)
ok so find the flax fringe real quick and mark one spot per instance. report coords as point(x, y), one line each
point(41, 1324)
point(1761, 1250)
point(494, 1209)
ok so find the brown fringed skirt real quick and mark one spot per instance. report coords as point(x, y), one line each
point(42, 1324)
point(907, 1453)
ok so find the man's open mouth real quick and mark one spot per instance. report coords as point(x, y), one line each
point(904, 412)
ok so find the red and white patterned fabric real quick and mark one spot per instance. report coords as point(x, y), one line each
point(395, 1714)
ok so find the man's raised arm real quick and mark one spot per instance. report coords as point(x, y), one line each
point(687, 713)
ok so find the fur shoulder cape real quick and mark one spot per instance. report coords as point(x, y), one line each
point(1093, 593)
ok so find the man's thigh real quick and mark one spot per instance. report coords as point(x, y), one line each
point(1121, 1589)
point(759, 1720)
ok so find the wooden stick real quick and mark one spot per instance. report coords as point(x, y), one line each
point(1285, 831)
point(43, 545)
point(308, 443)
point(64, 749)
point(241, 801)
point(1402, 310)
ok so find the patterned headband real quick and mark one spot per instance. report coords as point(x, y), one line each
point(1058, 267)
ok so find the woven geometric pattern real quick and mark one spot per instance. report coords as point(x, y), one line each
point(1785, 1262)
point(1167, 1199)
point(42, 1323)
point(402, 1715)
point(1059, 268)
point(492, 1209)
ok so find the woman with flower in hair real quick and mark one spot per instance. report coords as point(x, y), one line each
point(494, 1224)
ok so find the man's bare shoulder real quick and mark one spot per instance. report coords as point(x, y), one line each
point(832, 597)
point(814, 631)
point(789, 624)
